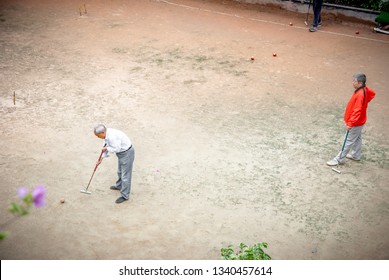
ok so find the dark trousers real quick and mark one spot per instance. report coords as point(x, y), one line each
point(316, 12)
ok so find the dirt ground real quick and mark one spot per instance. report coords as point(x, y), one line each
point(228, 149)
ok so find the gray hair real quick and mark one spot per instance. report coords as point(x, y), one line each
point(360, 77)
point(100, 128)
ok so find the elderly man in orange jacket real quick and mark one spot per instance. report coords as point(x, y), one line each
point(355, 117)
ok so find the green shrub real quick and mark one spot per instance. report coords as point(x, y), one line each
point(376, 5)
point(245, 252)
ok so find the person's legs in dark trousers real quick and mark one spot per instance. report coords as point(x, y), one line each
point(317, 4)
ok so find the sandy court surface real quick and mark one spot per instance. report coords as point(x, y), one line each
point(228, 150)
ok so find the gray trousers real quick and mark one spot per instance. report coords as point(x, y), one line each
point(125, 163)
point(353, 143)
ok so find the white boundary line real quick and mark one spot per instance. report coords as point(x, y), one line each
point(268, 21)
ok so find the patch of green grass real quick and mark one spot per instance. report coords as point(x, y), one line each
point(175, 53)
point(200, 58)
point(120, 50)
point(136, 69)
point(179, 58)
point(376, 154)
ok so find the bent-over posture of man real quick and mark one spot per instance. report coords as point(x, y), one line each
point(117, 142)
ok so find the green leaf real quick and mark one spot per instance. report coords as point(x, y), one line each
point(3, 235)
point(14, 208)
point(17, 209)
point(28, 200)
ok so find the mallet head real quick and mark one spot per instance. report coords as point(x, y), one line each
point(85, 191)
point(336, 170)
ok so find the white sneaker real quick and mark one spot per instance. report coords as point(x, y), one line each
point(349, 156)
point(334, 162)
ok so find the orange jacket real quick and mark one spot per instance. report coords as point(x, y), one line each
point(355, 114)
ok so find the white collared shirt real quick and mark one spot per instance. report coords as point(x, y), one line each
point(116, 141)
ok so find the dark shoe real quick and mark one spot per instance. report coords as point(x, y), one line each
point(120, 200)
point(114, 188)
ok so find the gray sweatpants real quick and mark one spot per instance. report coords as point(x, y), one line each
point(125, 163)
point(353, 143)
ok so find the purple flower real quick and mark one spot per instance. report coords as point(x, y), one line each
point(38, 196)
point(22, 192)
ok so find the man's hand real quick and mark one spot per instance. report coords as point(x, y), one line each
point(348, 128)
point(103, 150)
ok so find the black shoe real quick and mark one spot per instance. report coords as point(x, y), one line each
point(120, 200)
point(114, 188)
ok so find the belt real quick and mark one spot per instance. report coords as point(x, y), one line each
point(125, 150)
